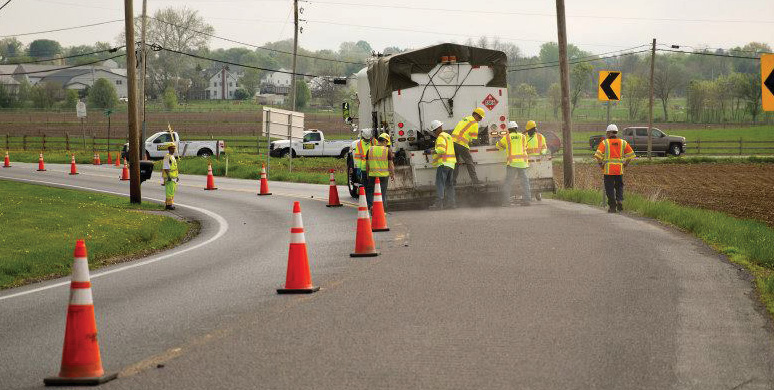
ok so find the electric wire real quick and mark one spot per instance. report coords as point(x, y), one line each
point(3, 6)
point(62, 29)
point(111, 50)
point(62, 68)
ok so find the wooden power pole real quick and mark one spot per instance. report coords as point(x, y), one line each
point(564, 70)
point(295, 52)
point(135, 195)
point(143, 66)
point(650, 115)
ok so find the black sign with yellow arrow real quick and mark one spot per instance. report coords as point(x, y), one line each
point(609, 85)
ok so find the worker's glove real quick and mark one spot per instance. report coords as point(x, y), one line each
point(177, 180)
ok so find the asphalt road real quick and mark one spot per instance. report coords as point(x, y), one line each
point(555, 296)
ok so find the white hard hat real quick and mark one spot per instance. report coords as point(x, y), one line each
point(513, 125)
point(612, 128)
point(366, 133)
point(435, 124)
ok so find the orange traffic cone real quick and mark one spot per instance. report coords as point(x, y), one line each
point(7, 162)
point(333, 194)
point(210, 178)
point(73, 168)
point(364, 241)
point(97, 161)
point(125, 172)
point(41, 163)
point(379, 218)
point(298, 279)
point(264, 182)
point(118, 160)
point(110, 160)
point(81, 362)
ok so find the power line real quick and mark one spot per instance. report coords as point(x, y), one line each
point(580, 61)
point(709, 54)
point(699, 49)
point(391, 6)
point(253, 45)
point(62, 29)
point(591, 56)
point(3, 6)
point(111, 50)
point(63, 68)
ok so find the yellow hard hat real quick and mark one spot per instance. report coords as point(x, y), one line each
point(479, 111)
point(386, 137)
point(531, 125)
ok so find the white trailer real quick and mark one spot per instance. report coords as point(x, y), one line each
point(401, 94)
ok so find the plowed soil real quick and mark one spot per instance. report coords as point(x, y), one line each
point(742, 190)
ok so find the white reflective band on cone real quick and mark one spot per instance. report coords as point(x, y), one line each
point(80, 270)
point(363, 214)
point(377, 197)
point(81, 296)
point(297, 238)
point(297, 222)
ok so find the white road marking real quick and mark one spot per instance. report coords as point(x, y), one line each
point(222, 229)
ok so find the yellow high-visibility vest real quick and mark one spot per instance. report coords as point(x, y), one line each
point(361, 150)
point(515, 147)
point(536, 145)
point(465, 131)
point(378, 165)
point(444, 151)
point(172, 167)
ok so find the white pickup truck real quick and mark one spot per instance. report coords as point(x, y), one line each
point(312, 145)
point(157, 144)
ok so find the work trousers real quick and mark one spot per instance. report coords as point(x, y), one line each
point(614, 189)
point(371, 186)
point(444, 186)
point(510, 176)
point(463, 155)
point(170, 188)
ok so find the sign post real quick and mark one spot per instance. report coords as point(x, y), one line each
point(283, 124)
point(80, 111)
point(107, 114)
point(767, 81)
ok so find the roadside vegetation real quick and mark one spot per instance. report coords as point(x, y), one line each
point(745, 242)
point(39, 226)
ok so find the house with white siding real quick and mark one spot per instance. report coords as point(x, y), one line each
point(222, 85)
point(276, 83)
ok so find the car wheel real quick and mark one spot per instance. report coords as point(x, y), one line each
point(351, 186)
point(344, 153)
point(675, 150)
point(204, 153)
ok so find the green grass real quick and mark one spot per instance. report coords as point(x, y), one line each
point(40, 225)
point(245, 166)
point(745, 242)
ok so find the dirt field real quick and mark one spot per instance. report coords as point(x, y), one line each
point(742, 190)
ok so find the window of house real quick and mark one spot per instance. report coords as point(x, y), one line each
point(216, 93)
point(119, 82)
point(231, 93)
point(215, 84)
point(230, 84)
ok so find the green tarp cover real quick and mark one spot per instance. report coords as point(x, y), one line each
point(393, 72)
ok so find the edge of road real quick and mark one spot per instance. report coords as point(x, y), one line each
point(212, 227)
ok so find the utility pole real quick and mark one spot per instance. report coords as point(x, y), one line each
point(143, 65)
point(135, 195)
point(564, 70)
point(650, 115)
point(293, 80)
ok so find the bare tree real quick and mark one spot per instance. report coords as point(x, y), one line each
point(634, 95)
point(669, 77)
point(580, 78)
point(555, 97)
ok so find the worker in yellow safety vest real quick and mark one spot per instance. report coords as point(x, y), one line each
point(515, 146)
point(613, 154)
point(359, 155)
point(445, 159)
point(170, 175)
point(536, 142)
point(379, 164)
point(465, 132)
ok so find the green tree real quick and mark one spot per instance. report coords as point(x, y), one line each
point(525, 96)
point(303, 94)
point(71, 99)
point(103, 94)
point(170, 98)
point(634, 95)
point(44, 48)
point(555, 97)
point(6, 99)
point(580, 79)
point(44, 95)
point(251, 81)
point(11, 49)
point(670, 76)
point(241, 94)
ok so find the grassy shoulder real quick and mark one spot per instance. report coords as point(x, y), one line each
point(40, 225)
point(745, 242)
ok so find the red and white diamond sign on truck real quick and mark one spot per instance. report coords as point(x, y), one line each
point(490, 102)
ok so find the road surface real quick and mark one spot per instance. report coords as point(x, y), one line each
point(555, 296)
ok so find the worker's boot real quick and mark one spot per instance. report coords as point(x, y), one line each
point(619, 206)
point(170, 207)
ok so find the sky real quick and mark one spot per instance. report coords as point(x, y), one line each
point(595, 26)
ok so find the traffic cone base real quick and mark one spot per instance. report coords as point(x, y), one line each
point(379, 218)
point(59, 381)
point(364, 238)
point(334, 205)
point(299, 278)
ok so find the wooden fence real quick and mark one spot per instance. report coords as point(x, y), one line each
point(736, 147)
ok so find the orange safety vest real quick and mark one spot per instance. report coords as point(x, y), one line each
point(613, 153)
